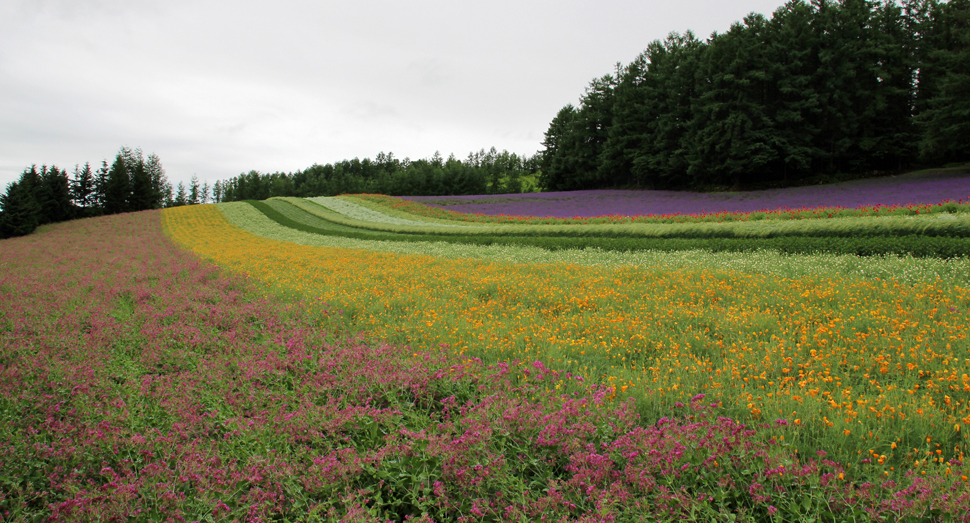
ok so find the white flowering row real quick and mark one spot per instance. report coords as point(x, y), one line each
point(391, 211)
point(904, 269)
point(359, 212)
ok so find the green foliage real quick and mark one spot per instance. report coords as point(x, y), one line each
point(142, 194)
point(118, 187)
point(483, 172)
point(19, 211)
point(946, 115)
point(819, 88)
point(83, 189)
point(54, 195)
point(37, 198)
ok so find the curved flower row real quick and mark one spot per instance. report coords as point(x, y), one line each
point(800, 213)
point(863, 364)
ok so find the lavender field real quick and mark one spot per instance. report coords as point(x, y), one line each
point(893, 190)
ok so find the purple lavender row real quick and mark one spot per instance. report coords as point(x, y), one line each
point(898, 190)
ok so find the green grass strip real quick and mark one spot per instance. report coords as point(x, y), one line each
point(290, 216)
point(948, 225)
point(952, 272)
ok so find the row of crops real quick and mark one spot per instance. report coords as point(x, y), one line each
point(867, 355)
point(371, 359)
point(939, 231)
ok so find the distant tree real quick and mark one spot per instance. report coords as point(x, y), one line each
point(19, 211)
point(169, 199)
point(889, 136)
point(280, 185)
point(143, 195)
point(193, 190)
point(118, 185)
point(649, 140)
point(160, 186)
point(204, 193)
point(590, 133)
point(794, 105)
point(83, 189)
point(945, 118)
point(100, 196)
point(54, 195)
point(557, 159)
point(181, 198)
point(217, 192)
point(734, 139)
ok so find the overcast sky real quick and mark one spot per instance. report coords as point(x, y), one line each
point(219, 87)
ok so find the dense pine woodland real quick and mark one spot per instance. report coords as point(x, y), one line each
point(484, 172)
point(824, 87)
point(131, 183)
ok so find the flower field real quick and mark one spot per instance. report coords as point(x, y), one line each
point(139, 384)
point(212, 363)
point(953, 271)
point(866, 366)
point(883, 192)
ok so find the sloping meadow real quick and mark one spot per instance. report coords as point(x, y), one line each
point(867, 362)
point(140, 382)
point(869, 369)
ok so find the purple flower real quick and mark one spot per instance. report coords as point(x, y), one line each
point(876, 191)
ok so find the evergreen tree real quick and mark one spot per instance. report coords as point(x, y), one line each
point(118, 185)
point(888, 136)
point(946, 116)
point(194, 190)
point(795, 104)
point(54, 195)
point(101, 187)
point(665, 158)
point(734, 138)
point(590, 133)
point(922, 24)
point(83, 189)
point(169, 199)
point(19, 211)
point(161, 188)
point(180, 197)
point(629, 130)
point(143, 195)
point(557, 161)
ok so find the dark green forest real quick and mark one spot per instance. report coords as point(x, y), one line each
point(854, 86)
point(131, 183)
point(484, 172)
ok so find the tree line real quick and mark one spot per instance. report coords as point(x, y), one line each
point(848, 86)
point(131, 183)
point(482, 172)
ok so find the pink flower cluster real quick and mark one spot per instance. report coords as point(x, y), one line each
point(140, 383)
